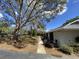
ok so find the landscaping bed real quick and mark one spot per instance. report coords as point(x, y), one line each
point(26, 44)
point(28, 48)
point(70, 49)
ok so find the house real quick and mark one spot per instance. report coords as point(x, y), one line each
point(65, 34)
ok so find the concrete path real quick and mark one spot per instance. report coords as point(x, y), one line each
point(41, 48)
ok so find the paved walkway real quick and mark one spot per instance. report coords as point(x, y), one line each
point(41, 48)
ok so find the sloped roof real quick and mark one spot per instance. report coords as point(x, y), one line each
point(70, 21)
point(74, 25)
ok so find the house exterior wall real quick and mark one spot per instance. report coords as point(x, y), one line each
point(65, 36)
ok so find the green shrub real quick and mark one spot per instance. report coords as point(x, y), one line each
point(33, 32)
point(76, 49)
point(66, 49)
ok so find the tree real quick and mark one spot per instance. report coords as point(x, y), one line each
point(31, 12)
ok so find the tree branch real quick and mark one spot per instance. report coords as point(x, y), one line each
point(27, 9)
point(30, 13)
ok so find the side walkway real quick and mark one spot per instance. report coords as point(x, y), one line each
point(40, 48)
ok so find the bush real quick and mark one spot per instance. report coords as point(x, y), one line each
point(76, 49)
point(27, 40)
point(66, 49)
point(34, 32)
point(22, 41)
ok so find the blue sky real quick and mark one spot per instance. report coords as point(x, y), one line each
point(72, 11)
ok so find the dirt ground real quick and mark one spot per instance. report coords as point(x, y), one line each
point(31, 48)
point(28, 48)
point(54, 52)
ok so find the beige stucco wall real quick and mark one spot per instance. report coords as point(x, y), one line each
point(66, 36)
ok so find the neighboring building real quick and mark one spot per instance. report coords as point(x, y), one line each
point(65, 34)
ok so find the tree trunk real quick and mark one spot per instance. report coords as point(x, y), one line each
point(15, 32)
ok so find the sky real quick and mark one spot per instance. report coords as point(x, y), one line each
point(71, 11)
